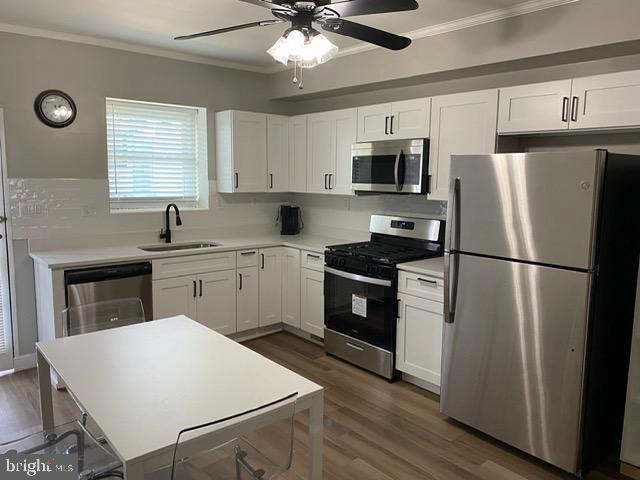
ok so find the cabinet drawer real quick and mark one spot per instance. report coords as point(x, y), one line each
point(247, 258)
point(312, 260)
point(193, 265)
point(423, 286)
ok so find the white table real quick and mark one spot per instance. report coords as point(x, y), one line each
point(143, 383)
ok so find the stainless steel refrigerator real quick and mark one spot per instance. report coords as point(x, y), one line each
point(541, 264)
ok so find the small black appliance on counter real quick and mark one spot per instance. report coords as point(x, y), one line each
point(290, 220)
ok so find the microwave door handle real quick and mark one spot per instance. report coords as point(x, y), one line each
point(396, 172)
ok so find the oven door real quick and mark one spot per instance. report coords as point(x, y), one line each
point(361, 307)
point(396, 166)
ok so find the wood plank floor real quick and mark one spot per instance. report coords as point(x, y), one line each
point(374, 430)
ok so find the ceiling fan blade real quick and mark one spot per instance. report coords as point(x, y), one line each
point(366, 34)
point(271, 4)
point(263, 23)
point(350, 8)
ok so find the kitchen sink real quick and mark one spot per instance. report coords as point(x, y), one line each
point(172, 247)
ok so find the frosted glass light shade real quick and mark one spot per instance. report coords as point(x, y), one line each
point(308, 52)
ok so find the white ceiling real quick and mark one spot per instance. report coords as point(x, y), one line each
point(153, 23)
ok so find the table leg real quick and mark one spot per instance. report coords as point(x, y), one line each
point(44, 385)
point(316, 436)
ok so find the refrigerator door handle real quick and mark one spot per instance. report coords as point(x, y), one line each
point(453, 217)
point(451, 267)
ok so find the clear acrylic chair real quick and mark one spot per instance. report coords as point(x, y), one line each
point(102, 315)
point(95, 460)
point(214, 451)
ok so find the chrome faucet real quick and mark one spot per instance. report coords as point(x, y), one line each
point(166, 233)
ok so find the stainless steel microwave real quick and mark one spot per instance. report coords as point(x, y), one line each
point(395, 166)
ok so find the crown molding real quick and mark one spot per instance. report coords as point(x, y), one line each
point(529, 6)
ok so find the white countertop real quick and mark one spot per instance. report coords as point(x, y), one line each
point(430, 266)
point(79, 257)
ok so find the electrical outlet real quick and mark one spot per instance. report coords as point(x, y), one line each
point(30, 209)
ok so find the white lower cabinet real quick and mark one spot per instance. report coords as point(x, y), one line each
point(312, 301)
point(291, 287)
point(419, 344)
point(270, 286)
point(204, 298)
point(248, 309)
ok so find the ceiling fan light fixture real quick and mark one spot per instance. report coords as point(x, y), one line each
point(307, 50)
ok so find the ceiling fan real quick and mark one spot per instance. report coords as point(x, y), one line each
point(303, 45)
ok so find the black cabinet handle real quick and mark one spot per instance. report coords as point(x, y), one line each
point(565, 109)
point(262, 258)
point(271, 180)
point(386, 125)
point(247, 253)
point(194, 289)
point(330, 178)
point(398, 307)
point(237, 179)
point(200, 287)
point(326, 175)
point(391, 128)
point(240, 281)
point(574, 109)
point(430, 282)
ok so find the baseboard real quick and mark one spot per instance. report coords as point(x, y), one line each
point(256, 333)
point(630, 471)
point(24, 362)
point(418, 382)
point(302, 334)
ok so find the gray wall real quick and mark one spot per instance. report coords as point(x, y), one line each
point(89, 74)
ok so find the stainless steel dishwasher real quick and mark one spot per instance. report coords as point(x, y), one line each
point(115, 282)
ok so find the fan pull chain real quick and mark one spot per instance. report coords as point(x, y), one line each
point(301, 85)
point(295, 72)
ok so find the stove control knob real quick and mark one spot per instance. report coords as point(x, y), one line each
point(343, 262)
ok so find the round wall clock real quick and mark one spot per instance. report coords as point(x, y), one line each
point(55, 108)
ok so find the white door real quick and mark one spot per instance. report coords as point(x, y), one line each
point(6, 341)
point(320, 155)
point(312, 302)
point(373, 122)
point(344, 124)
point(250, 151)
point(463, 123)
point(277, 153)
point(603, 101)
point(291, 287)
point(175, 296)
point(247, 310)
point(410, 119)
point(539, 107)
point(419, 340)
point(298, 153)
point(217, 301)
point(270, 286)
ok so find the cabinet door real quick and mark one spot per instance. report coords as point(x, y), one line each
point(217, 301)
point(175, 296)
point(270, 286)
point(606, 101)
point(291, 287)
point(250, 151)
point(344, 124)
point(320, 152)
point(373, 122)
point(419, 340)
point(463, 123)
point(410, 119)
point(277, 153)
point(539, 107)
point(248, 316)
point(298, 153)
point(312, 301)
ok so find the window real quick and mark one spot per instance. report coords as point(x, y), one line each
point(157, 154)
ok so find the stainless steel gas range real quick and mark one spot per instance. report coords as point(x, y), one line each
point(360, 289)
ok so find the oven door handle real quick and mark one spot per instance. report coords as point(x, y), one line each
point(358, 278)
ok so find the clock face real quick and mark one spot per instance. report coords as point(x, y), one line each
point(55, 108)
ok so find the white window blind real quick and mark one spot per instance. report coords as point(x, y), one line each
point(157, 153)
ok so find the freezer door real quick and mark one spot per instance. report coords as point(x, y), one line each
point(513, 367)
point(537, 207)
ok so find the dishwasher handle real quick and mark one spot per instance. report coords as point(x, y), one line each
point(113, 272)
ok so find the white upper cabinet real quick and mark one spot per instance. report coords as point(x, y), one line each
point(535, 108)
point(394, 121)
point(298, 153)
point(241, 148)
point(277, 153)
point(330, 136)
point(463, 123)
point(606, 101)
